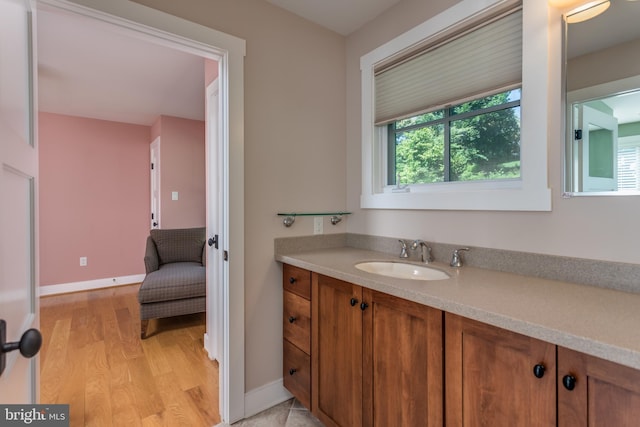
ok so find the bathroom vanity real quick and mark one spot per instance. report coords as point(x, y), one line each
point(509, 349)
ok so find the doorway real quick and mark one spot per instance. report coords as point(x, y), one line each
point(228, 51)
point(155, 183)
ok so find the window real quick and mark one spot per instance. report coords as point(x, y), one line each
point(471, 141)
point(443, 111)
point(629, 163)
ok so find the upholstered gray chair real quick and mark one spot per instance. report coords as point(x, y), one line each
point(175, 283)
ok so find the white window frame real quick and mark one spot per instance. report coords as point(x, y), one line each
point(530, 192)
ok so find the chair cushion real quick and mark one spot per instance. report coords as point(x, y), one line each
point(179, 245)
point(173, 281)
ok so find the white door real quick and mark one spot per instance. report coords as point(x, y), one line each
point(18, 194)
point(598, 151)
point(155, 183)
point(215, 226)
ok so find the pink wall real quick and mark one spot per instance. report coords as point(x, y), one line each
point(182, 169)
point(94, 198)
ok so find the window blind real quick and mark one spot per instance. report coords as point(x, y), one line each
point(629, 168)
point(477, 62)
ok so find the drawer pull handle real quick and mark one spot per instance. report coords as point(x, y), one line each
point(569, 382)
point(353, 302)
point(292, 280)
point(364, 306)
point(292, 371)
point(292, 319)
point(538, 370)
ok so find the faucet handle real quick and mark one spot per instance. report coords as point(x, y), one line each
point(456, 258)
point(403, 249)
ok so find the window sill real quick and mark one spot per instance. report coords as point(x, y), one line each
point(505, 199)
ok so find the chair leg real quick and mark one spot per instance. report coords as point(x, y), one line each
point(143, 328)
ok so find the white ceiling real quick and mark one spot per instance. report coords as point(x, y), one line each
point(90, 69)
point(341, 16)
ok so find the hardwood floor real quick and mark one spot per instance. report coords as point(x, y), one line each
point(92, 358)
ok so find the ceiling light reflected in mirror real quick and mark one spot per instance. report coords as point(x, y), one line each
point(580, 10)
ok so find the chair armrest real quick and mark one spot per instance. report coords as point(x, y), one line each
point(151, 259)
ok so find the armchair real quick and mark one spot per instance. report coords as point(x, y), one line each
point(175, 281)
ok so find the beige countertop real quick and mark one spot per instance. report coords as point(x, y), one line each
point(601, 322)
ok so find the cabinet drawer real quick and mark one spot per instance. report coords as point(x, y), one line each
point(297, 373)
point(297, 321)
point(297, 280)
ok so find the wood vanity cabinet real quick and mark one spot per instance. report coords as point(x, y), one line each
point(491, 378)
point(296, 331)
point(376, 359)
point(495, 377)
point(356, 357)
point(595, 392)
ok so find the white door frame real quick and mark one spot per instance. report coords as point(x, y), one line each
point(168, 30)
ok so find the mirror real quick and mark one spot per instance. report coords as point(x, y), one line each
point(602, 72)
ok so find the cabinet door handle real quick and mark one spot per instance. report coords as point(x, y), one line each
point(353, 302)
point(538, 370)
point(569, 382)
point(292, 371)
point(292, 319)
point(364, 306)
point(292, 280)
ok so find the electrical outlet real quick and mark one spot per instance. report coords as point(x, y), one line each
point(317, 224)
point(83, 261)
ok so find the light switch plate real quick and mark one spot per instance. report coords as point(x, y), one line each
point(318, 224)
point(174, 195)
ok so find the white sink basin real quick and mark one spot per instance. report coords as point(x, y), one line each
point(402, 270)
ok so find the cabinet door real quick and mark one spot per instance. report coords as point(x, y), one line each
point(604, 393)
point(490, 377)
point(336, 351)
point(402, 365)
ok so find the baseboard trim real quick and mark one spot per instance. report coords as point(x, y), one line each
point(208, 348)
point(264, 397)
point(88, 285)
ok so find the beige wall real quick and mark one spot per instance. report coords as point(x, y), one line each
point(588, 227)
point(607, 65)
point(294, 147)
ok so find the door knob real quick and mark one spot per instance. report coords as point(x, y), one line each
point(29, 344)
point(213, 241)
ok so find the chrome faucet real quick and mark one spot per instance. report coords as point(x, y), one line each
point(403, 249)
point(426, 255)
point(456, 258)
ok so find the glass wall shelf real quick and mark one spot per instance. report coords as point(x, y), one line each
point(290, 218)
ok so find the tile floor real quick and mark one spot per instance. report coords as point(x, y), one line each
point(287, 414)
